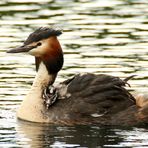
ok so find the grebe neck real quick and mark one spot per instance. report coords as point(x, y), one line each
point(43, 78)
point(32, 107)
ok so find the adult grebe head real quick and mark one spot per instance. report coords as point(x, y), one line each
point(44, 45)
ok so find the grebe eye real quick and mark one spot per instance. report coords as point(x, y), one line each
point(39, 44)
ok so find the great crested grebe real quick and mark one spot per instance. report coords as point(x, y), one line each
point(84, 99)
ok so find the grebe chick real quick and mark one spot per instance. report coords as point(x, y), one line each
point(84, 99)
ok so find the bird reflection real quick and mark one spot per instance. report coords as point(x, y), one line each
point(39, 135)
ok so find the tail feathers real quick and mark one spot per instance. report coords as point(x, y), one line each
point(128, 78)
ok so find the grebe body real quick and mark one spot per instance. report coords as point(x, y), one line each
point(83, 99)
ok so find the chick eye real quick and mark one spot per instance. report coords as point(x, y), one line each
point(39, 44)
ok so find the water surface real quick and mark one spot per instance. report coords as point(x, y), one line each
point(99, 36)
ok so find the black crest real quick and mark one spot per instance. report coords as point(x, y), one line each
point(42, 33)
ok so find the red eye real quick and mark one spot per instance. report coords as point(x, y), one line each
point(39, 44)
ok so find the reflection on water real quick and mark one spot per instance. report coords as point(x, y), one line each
point(100, 36)
point(37, 135)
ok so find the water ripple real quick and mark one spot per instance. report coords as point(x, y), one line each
point(100, 36)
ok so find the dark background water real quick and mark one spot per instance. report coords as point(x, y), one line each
point(99, 36)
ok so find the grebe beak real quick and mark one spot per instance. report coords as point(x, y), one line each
point(24, 48)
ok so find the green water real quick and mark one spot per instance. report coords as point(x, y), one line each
point(99, 36)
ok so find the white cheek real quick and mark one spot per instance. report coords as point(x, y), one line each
point(36, 51)
point(39, 51)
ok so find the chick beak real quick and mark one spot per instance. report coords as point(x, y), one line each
point(23, 48)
